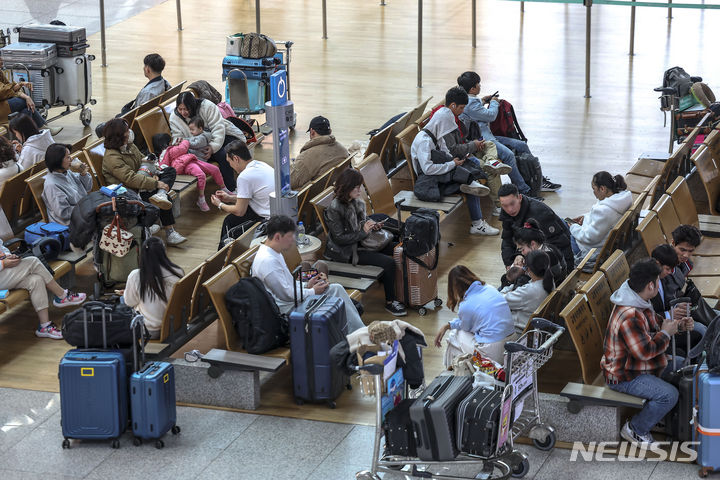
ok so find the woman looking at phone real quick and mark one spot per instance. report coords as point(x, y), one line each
point(348, 227)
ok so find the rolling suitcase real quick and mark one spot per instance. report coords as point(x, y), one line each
point(73, 80)
point(317, 324)
point(43, 93)
point(70, 41)
point(707, 420)
point(247, 81)
point(677, 420)
point(152, 399)
point(399, 434)
point(433, 417)
point(416, 283)
point(38, 56)
point(478, 421)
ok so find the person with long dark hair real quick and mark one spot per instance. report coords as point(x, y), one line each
point(30, 142)
point(148, 288)
point(348, 227)
point(63, 188)
point(531, 237)
point(524, 300)
point(484, 322)
point(613, 200)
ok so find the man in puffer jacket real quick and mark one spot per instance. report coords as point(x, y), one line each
point(318, 155)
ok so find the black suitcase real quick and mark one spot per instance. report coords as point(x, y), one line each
point(677, 420)
point(71, 41)
point(478, 421)
point(433, 417)
point(399, 434)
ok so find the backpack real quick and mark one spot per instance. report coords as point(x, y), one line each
point(256, 317)
point(506, 123)
point(710, 346)
point(679, 80)
point(421, 232)
point(529, 167)
point(206, 91)
point(40, 230)
point(257, 45)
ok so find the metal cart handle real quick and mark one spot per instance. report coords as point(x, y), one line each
point(371, 368)
point(541, 324)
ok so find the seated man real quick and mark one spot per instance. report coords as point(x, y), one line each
point(270, 267)
point(255, 182)
point(634, 352)
point(439, 174)
point(477, 111)
point(517, 209)
point(318, 155)
point(483, 154)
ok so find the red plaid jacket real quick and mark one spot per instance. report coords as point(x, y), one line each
point(634, 345)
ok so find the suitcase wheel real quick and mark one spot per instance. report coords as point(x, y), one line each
point(300, 401)
point(422, 311)
point(547, 444)
point(438, 302)
point(115, 443)
point(159, 444)
point(137, 441)
point(175, 430)
point(332, 404)
point(66, 443)
point(520, 465)
point(86, 116)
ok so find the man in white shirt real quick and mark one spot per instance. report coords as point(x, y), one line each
point(255, 182)
point(270, 267)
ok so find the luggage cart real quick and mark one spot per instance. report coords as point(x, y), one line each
point(522, 360)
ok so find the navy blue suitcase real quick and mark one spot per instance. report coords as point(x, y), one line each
point(707, 419)
point(93, 396)
point(317, 324)
point(152, 402)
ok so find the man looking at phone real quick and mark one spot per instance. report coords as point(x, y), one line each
point(634, 351)
point(270, 267)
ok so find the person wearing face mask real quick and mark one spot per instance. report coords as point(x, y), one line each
point(121, 164)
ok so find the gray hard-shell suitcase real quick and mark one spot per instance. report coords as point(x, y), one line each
point(43, 81)
point(478, 418)
point(433, 417)
point(70, 41)
point(73, 80)
point(31, 55)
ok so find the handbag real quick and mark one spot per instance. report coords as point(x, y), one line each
point(377, 240)
point(40, 230)
point(115, 239)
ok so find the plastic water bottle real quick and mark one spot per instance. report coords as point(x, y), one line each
point(300, 234)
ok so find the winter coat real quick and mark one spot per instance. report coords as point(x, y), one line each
point(33, 150)
point(315, 158)
point(555, 230)
point(345, 224)
point(600, 220)
point(122, 167)
point(214, 122)
point(177, 156)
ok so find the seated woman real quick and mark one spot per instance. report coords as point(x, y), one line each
point(223, 132)
point(18, 101)
point(30, 274)
point(63, 188)
point(530, 238)
point(121, 164)
point(590, 230)
point(31, 143)
point(524, 300)
point(348, 227)
point(484, 320)
point(148, 288)
point(8, 165)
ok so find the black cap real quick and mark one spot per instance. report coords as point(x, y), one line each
point(320, 124)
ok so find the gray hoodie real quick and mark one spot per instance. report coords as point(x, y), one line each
point(627, 297)
point(62, 191)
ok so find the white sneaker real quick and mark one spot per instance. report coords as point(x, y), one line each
point(496, 167)
point(174, 238)
point(53, 130)
point(496, 211)
point(481, 227)
point(161, 201)
point(631, 436)
point(478, 191)
point(154, 228)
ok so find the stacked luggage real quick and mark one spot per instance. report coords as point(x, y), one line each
point(34, 63)
point(101, 387)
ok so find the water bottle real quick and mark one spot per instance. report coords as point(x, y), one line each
point(300, 234)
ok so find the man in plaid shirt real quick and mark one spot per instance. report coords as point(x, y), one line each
point(634, 351)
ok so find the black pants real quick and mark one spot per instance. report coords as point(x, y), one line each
point(167, 175)
point(384, 260)
point(233, 221)
point(220, 157)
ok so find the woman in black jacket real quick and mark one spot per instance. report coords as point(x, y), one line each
point(348, 226)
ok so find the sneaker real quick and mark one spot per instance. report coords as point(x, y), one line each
point(631, 436)
point(539, 199)
point(174, 238)
point(548, 186)
point(69, 300)
point(478, 191)
point(396, 308)
point(154, 228)
point(481, 227)
point(202, 204)
point(49, 331)
point(172, 195)
point(161, 201)
point(53, 131)
point(496, 211)
point(497, 168)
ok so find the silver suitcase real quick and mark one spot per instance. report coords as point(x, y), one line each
point(73, 80)
point(43, 81)
point(31, 55)
point(70, 41)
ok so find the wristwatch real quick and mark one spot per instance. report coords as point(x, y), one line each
point(220, 205)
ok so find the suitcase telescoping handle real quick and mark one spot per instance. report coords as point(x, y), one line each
point(138, 322)
point(94, 307)
point(687, 333)
point(298, 273)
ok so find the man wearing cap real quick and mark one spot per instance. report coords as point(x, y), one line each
point(318, 155)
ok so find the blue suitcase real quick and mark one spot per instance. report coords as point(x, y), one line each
point(707, 420)
point(316, 325)
point(93, 396)
point(252, 73)
point(152, 402)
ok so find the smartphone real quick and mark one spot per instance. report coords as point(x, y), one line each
point(496, 93)
point(4, 293)
point(569, 220)
point(308, 274)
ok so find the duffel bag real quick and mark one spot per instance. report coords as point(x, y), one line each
point(39, 230)
point(84, 327)
point(257, 45)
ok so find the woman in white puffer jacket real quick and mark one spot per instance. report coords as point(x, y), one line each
point(590, 230)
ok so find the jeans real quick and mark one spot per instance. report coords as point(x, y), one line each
point(473, 202)
point(660, 397)
point(18, 104)
point(220, 157)
point(507, 157)
point(166, 175)
point(574, 245)
point(518, 145)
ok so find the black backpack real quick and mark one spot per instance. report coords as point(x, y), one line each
point(256, 317)
point(421, 232)
point(529, 167)
point(679, 80)
point(710, 346)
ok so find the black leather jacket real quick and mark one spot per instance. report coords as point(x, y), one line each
point(343, 237)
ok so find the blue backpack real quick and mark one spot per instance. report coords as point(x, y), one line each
point(40, 230)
